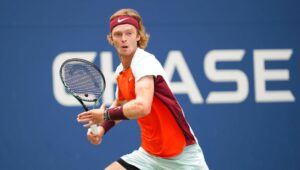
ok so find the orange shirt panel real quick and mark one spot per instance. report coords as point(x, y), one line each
point(160, 133)
point(126, 85)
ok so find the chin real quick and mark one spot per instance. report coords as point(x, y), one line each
point(125, 52)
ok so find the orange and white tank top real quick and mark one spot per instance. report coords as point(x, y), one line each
point(164, 131)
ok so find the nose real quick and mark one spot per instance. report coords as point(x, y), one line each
point(124, 39)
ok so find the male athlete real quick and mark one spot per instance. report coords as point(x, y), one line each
point(143, 93)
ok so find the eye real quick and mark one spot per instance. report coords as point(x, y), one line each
point(129, 33)
point(117, 34)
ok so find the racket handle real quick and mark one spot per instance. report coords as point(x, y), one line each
point(94, 129)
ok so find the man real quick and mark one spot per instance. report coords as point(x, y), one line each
point(143, 93)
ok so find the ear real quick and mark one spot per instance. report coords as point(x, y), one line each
point(111, 40)
point(138, 37)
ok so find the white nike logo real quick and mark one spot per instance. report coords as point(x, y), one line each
point(121, 20)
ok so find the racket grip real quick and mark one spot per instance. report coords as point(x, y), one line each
point(94, 129)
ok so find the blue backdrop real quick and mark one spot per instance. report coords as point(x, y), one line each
point(38, 132)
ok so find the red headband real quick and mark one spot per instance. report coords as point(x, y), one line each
point(123, 19)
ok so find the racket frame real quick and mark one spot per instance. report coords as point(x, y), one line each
point(80, 100)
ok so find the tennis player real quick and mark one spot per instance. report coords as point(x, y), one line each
point(143, 94)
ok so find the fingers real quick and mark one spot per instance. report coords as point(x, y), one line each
point(96, 141)
point(87, 113)
point(83, 120)
point(84, 116)
point(86, 120)
point(88, 124)
point(93, 138)
point(95, 115)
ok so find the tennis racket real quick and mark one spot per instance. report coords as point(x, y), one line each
point(84, 81)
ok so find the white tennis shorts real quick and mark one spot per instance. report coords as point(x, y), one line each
point(191, 158)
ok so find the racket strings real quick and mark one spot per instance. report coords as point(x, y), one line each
point(82, 84)
point(83, 80)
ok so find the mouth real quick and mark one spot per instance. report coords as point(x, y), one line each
point(124, 46)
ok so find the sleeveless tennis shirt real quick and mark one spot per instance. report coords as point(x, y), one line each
point(164, 131)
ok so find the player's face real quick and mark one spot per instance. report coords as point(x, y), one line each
point(125, 38)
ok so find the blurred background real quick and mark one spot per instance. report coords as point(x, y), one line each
point(233, 66)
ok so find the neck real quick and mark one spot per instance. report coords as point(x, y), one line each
point(126, 60)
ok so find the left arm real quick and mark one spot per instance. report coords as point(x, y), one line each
point(141, 105)
point(136, 108)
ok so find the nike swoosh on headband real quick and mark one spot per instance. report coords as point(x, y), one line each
point(121, 20)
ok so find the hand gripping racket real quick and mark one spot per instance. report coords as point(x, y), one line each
point(84, 81)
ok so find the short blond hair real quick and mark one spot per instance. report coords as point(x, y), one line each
point(144, 36)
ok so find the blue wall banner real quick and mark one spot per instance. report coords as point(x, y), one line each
point(233, 65)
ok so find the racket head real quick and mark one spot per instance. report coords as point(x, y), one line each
point(83, 79)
